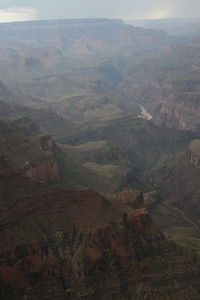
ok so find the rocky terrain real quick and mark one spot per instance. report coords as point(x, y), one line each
point(140, 141)
point(177, 178)
point(167, 85)
point(78, 245)
point(72, 65)
point(81, 244)
point(91, 71)
point(99, 135)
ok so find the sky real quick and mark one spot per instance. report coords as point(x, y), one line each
point(23, 10)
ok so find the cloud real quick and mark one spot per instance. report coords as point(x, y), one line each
point(107, 8)
point(126, 9)
point(160, 10)
point(17, 14)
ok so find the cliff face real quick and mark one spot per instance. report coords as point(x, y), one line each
point(75, 245)
point(34, 159)
point(178, 180)
point(44, 169)
point(167, 85)
point(74, 57)
point(48, 144)
point(178, 115)
point(140, 141)
point(131, 197)
point(33, 121)
point(193, 153)
point(178, 177)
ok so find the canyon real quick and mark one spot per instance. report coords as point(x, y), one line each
point(80, 244)
point(99, 162)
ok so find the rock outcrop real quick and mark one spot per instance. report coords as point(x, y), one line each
point(44, 169)
point(131, 197)
point(177, 178)
point(48, 144)
point(34, 159)
point(81, 245)
point(193, 153)
point(167, 85)
point(35, 121)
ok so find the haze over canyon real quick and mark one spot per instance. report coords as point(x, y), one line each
point(99, 160)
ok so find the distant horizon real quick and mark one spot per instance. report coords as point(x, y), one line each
point(100, 18)
point(32, 10)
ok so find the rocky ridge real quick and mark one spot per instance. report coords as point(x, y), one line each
point(167, 85)
point(78, 245)
point(51, 60)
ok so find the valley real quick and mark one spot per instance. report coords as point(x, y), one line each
point(99, 162)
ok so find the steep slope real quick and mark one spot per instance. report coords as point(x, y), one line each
point(48, 120)
point(178, 180)
point(15, 97)
point(26, 157)
point(167, 85)
point(73, 64)
point(74, 245)
point(140, 141)
point(40, 158)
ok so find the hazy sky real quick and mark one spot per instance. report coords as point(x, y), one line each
point(13, 10)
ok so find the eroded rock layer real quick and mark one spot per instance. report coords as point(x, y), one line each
point(82, 245)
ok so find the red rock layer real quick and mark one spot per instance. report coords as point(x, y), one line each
point(131, 197)
point(59, 244)
point(44, 169)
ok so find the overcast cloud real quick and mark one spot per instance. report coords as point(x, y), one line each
point(13, 10)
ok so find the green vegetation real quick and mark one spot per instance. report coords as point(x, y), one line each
point(78, 176)
point(176, 226)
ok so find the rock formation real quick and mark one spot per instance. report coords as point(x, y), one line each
point(193, 153)
point(75, 245)
point(131, 197)
point(86, 76)
point(44, 169)
point(48, 144)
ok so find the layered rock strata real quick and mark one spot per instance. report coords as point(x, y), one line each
point(82, 245)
